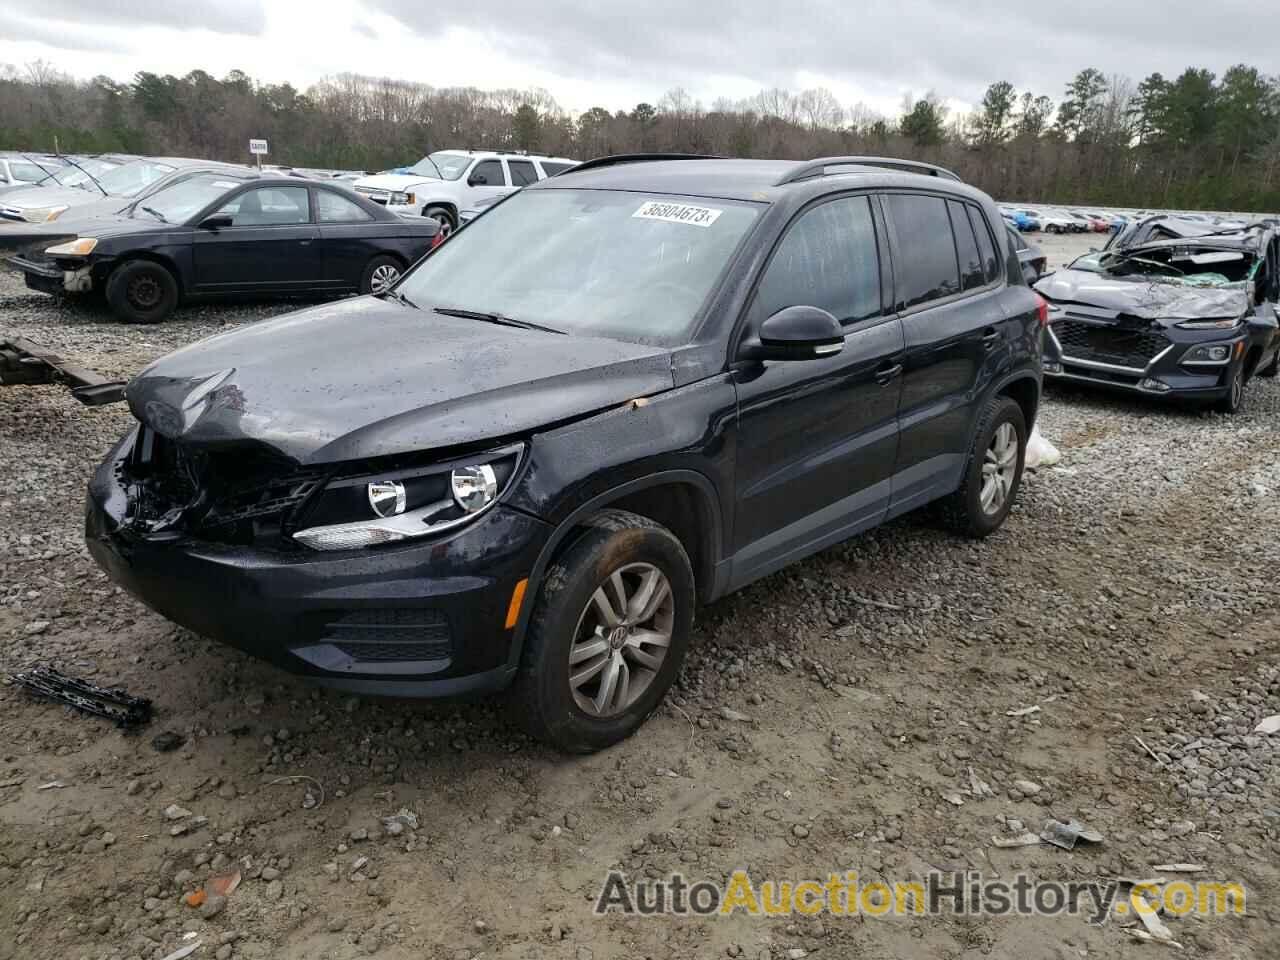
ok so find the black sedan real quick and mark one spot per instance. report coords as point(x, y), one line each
point(220, 234)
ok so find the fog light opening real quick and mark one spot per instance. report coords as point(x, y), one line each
point(1052, 366)
point(1152, 385)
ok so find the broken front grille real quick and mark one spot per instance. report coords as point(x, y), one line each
point(1116, 346)
point(240, 497)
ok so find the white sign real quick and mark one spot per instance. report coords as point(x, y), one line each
point(678, 213)
point(258, 147)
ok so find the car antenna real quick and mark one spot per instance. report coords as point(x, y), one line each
point(85, 172)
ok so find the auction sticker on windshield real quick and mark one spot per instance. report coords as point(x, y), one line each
point(677, 213)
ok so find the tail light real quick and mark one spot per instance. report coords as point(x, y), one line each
point(1042, 311)
point(437, 239)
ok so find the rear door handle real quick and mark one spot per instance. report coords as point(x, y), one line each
point(886, 375)
point(990, 337)
point(305, 242)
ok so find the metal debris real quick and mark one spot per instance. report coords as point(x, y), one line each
point(1066, 835)
point(1150, 918)
point(1023, 840)
point(1180, 867)
point(51, 785)
point(1144, 935)
point(116, 705)
point(1269, 725)
point(1022, 712)
point(186, 951)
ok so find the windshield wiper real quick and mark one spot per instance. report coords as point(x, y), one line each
point(400, 297)
point(155, 213)
point(62, 156)
point(495, 318)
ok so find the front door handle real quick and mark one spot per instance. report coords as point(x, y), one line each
point(886, 375)
point(304, 242)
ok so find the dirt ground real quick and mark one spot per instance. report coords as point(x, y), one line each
point(828, 719)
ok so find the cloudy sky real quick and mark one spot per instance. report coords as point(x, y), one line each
point(589, 52)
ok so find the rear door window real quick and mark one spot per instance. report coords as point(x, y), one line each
point(332, 208)
point(827, 259)
point(926, 268)
point(522, 173)
point(971, 273)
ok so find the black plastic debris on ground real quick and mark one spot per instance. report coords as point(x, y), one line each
point(116, 705)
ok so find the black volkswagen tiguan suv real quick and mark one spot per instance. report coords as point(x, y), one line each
point(624, 390)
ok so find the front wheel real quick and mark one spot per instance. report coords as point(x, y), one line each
point(442, 216)
point(1234, 397)
point(607, 635)
point(993, 472)
point(142, 291)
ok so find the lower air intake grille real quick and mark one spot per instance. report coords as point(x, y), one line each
point(1114, 345)
point(381, 635)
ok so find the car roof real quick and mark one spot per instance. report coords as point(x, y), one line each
point(732, 179)
point(508, 154)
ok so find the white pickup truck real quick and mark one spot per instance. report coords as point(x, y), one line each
point(445, 182)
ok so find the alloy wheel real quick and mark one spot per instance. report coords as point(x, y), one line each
point(384, 275)
point(621, 640)
point(999, 465)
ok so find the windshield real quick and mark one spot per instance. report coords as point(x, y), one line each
point(450, 165)
point(79, 176)
point(180, 201)
point(129, 180)
point(595, 262)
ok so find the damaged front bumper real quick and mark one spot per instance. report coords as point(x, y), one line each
point(1147, 361)
point(423, 620)
point(47, 276)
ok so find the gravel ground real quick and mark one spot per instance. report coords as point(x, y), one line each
point(829, 718)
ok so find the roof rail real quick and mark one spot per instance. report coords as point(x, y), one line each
point(818, 168)
point(634, 158)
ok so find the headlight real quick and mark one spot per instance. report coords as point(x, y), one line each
point(366, 510)
point(1224, 324)
point(75, 248)
point(403, 199)
point(1208, 354)
point(43, 214)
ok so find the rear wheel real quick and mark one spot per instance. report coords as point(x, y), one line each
point(607, 636)
point(142, 291)
point(442, 216)
point(993, 472)
point(379, 275)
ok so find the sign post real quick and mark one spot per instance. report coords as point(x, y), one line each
point(259, 149)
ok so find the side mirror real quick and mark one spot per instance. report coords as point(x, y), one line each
point(217, 222)
point(796, 333)
point(477, 180)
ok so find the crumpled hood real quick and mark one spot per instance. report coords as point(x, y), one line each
point(367, 377)
point(395, 181)
point(1150, 301)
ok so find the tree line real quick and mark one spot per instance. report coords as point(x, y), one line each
point(1196, 140)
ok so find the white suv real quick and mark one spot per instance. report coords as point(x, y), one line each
point(447, 181)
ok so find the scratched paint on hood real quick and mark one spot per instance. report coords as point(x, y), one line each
point(1143, 298)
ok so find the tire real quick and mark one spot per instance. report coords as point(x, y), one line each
point(1272, 368)
point(567, 618)
point(1234, 399)
point(142, 291)
point(964, 510)
point(379, 274)
point(442, 215)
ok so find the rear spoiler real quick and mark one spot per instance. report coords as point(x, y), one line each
point(24, 362)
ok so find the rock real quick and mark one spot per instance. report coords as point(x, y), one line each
point(167, 742)
point(1180, 828)
point(133, 788)
point(800, 830)
point(223, 952)
point(100, 924)
point(212, 906)
point(275, 890)
point(227, 792)
point(358, 834)
point(1027, 787)
point(36, 627)
point(728, 713)
point(480, 927)
point(270, 873)
point(175, 812)
point(337, 924)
